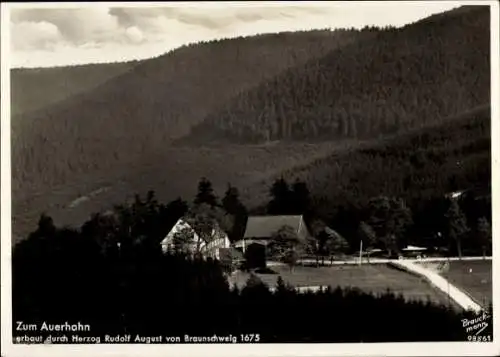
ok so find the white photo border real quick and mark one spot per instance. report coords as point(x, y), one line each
point(357, 349)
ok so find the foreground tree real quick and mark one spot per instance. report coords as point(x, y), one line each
point(284, 289)
point(46, 227)
point(286, 246)
point(103, 228)
point(205, 218)
point(183, 241)
point(255, 289)
point(335, 244)
point(456, 226)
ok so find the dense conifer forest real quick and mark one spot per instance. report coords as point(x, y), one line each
point(434, 161)
point(35, 88)
point(146, 107)
point(394, 80)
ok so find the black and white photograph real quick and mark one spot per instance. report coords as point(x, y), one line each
point(249, 178)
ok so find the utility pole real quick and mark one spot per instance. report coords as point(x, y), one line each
point(448, 283)
point(360, 251)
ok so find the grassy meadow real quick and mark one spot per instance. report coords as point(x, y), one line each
point(371, 278)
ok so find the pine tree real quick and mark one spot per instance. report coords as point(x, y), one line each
point(280, 198)
point(46, 227)
point(205, 193)
point(301, 199)
point(170, 213)
point(456, 225)
point(254, 287)
point(231, 202)
point(233, 206)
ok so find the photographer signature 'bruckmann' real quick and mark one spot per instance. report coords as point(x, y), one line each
point(65, 327)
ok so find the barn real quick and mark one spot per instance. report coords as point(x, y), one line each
point(260, 230)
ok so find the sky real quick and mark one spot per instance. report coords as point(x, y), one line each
point(96, 33)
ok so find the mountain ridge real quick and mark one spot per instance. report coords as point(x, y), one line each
point(408, 76)
point(35, 88)
point(150, 104)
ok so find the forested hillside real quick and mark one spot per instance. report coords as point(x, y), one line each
point(417, 166)
point(36, 88)
point(401, 78)
point(283, 94)
point(136, 114)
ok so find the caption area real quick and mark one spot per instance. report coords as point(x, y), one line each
point(135, 338)
point(44, 332)
point(477, 329)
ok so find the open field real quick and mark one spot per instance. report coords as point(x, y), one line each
point(473, 278)
point(373, 278)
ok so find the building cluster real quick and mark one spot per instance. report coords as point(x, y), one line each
point(215, 243)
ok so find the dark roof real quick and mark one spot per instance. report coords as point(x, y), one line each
point(265, 226)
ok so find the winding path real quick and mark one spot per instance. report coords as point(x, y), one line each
point(440, 283)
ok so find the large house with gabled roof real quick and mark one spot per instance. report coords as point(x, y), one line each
point(260, 229)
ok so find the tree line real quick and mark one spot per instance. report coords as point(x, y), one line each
point(447, 225)
point(451, 225)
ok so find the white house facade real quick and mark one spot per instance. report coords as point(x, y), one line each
point(208, 246)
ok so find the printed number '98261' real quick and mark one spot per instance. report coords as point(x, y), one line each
point(474, 338)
